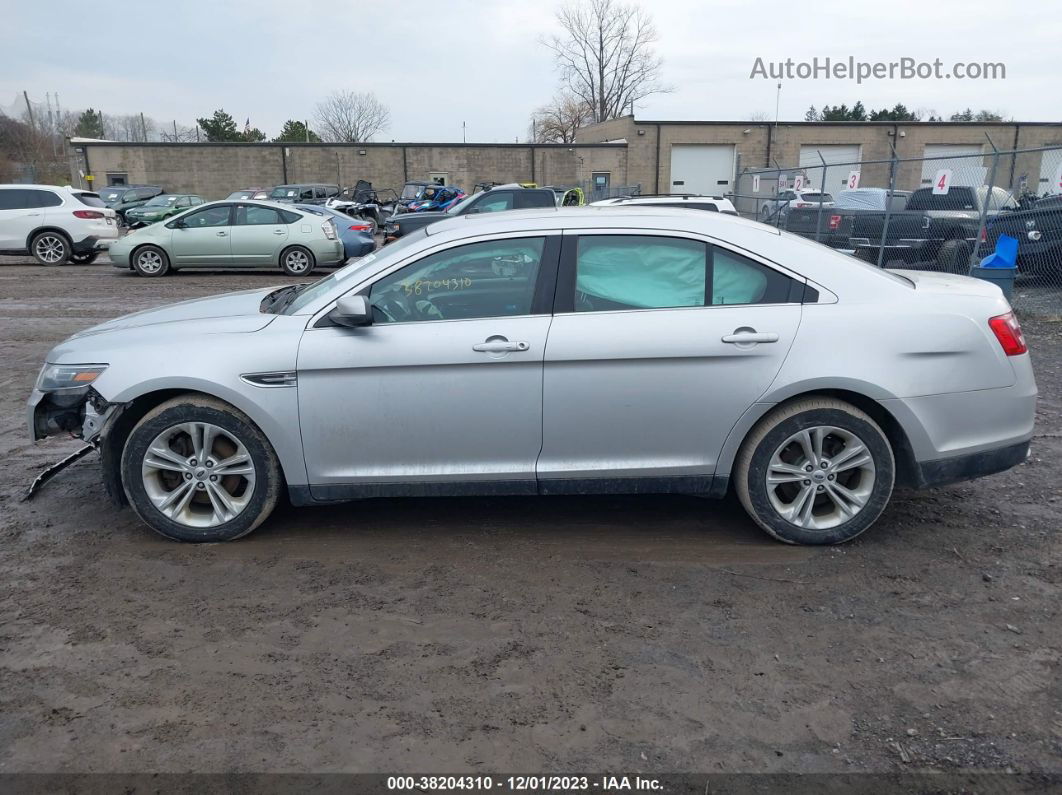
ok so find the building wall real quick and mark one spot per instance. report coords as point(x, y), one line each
point(215, 170)
point(761, 145)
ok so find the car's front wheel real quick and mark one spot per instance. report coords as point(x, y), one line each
point(816, 471)
point(150, 261)
point(196, 469)
point(297, 261)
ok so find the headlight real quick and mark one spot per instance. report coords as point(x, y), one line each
point(55, 377)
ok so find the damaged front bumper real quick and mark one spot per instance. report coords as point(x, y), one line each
point(78, 412)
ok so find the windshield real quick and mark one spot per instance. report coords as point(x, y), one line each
point(814, 196)
point(320, 288)
point(162, 201)
point(412, 191)
point(112, 195)
point(241, 194)
point(457, 208)
point(284, 192)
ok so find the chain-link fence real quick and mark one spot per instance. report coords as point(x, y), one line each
point(945, 212)
point(595, 191)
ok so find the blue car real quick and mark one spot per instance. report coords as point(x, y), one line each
point(356, 234)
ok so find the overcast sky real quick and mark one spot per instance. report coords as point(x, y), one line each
point(438, 63)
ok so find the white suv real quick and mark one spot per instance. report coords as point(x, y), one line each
point(55, 224)
point(688, 200)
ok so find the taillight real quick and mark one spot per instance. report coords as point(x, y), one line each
point(88, 214)
point(801, 204)
point(835, 221)
point(329, 229)
point(1008, 331)
point(361, 227)
point(984, 234)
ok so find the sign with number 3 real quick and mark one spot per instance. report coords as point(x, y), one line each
point(942, 182)
point(853, 180)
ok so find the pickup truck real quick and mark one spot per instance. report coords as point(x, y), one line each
point(502, 197)
point(938, 228)
point(1038, 230)
point(836, 224)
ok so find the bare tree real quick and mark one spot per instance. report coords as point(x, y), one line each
point(559, 120)
point(350, 117)
point(606, 56)
point(760, 115)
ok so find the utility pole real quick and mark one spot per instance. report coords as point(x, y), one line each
point(175, 130)
point(29, 108)
point(463, 139)
point(306, 127)
point(143, 127)
point(777, 102)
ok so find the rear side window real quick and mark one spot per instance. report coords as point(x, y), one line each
point(27, 198)
point(615, 272)
point(289, 217)
point(90, 199)
point(634, 272)
point(534, 198)
point(494, 201)
point(254, 215)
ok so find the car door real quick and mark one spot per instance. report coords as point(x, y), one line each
point(21, 212)
point(258, 235)
point(445, 387)
point(202, 237)
point(658, 345)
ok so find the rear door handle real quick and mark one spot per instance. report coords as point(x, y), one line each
point(749, 336)
point(279, 232)
point(500, 346)
point(222, 234)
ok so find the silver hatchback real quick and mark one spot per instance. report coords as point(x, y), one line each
point(569, 351)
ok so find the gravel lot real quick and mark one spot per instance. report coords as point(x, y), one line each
point(654, 634)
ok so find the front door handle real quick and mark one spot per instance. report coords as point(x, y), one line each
point(500, 346)
point(749, 336)
point(279, 232)
point(222, 234)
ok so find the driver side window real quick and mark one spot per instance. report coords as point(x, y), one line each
point(212, 216)
point(494, 278)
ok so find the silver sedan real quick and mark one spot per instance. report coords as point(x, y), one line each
point(568, 351)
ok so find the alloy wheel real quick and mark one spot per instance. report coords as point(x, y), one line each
point(50, 249)
point(149, 261)
point(297, 261)
point(820, 477)
point(198, 474)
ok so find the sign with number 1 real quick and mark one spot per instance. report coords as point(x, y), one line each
point(942, 182)
point(755, 183)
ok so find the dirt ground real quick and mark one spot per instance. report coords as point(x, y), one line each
point(552, 634)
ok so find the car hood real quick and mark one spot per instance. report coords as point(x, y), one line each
point(230, 313)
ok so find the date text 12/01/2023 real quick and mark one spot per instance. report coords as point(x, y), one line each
point(543, 783)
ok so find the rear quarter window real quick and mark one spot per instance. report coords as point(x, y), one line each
point(90, 199)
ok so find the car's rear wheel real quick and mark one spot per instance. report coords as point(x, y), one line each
point(816, 471)
point(197, 469)
point(954, 257)
point(150, 261)
point(50, 248)
point(297, 261)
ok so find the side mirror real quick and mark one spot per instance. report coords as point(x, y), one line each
point(352, 311)
point(179, 224)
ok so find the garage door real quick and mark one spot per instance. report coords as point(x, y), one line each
point(1050, 177)
point(964, 170)
point(836, 175)
point(707, 169)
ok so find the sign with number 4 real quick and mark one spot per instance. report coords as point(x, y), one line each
point(942, 182)
point(853, 180)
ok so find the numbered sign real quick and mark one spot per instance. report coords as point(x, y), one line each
point(853, 180)
point(1058, 178)
point(798, 182)
point(783, 182)
point(942, 182)
point(755, 183)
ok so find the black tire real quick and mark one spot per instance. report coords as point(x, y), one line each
point(198, 408)
point(51, 248)
point(150, 261)
point(297, 261)
point(772, 432)
point(954, 257)
point(84, 259)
